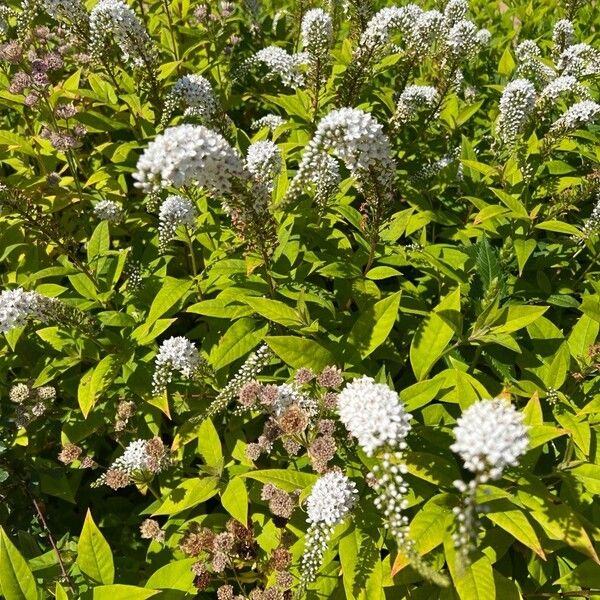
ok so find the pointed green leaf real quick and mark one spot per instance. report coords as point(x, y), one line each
point(300, 352)
point(239, 340)
point(374, 324)
point(122, 592)
point(16, 579)
point(235, 500)
point(434, 334)
point(188, 494)
point(94, 556)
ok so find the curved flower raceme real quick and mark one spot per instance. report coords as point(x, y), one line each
point(331, 499)
point(174, 211)
point(195, 94)
point(176, 354)
point(516, 105)
point(281, 64)
point(373, 413)
point(141, 459)
point(114, 18)
point(189, 154)
point(490, 436)
point(357, 139)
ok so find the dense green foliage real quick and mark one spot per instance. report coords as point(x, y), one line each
point(473, 275)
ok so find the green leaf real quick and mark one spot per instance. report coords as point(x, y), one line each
point(283, 478)
point(374, 324)
point(16, 579)
point(431, 467)
point(559, 522)
point(559, 227)
point(420, 393)
point(361, 566)
point(176, 575)
point(589, 475)
point(94, 556)
point(512, 519)
point(188, 494)
point(300, 352)
point(583, 335)
point(60, 593)
point(235, 500)
point(171, 292)
point(474, 581)
point(98, 244)
point(433, 335)
point(209, 444)
point(237, 341)
point(275, 311)
point(95, 382)
point(523, 250)
point(122, 592)
point(515, 317)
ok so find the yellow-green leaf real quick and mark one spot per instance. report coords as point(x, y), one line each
point(235, 500)
point(16, 579)
point(188, 494)
point(94, 556)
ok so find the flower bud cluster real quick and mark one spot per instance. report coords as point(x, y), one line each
point(174, 212)
point(115, 19)
point(188, 154)
point(373, 413)
point(108, 210)
point(516, 105)
point(317, 34)
point(357, 139)
point(195, 94)
point(331, 499)
point(412, 99)
point(175, 355)
point(281, 64)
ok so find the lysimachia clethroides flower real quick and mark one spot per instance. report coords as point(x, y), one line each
point(113, 20)
point(358, 140)
point(175, 355)
point(331, 499)
point(490, 436)
point(195, 95)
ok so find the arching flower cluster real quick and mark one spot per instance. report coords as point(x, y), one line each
point(357, 139)
point(142, 459)
point(251, 368)
point(270, 121)
point(263, 162)
point(280, 64)
point(413, 99)
point(174, 212)
point(175, 355)
point(195, 94)
point(578, 115)
point(530, 64)
point(516, 105)
point(490, 436)
point(16, 306)
point(70, 12)
point(115, 19)
point(317, 34)
point(186, 155)
point(373, 413)
point(331, 499)
point(109, 210)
